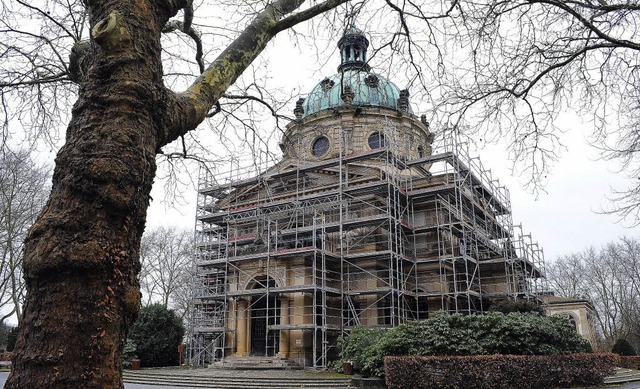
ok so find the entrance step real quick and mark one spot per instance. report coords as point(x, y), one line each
point(255, 363)
point(622, 376)
point(248, 380)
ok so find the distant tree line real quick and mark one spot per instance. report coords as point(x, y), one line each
point(24, 186)
point(610, 278)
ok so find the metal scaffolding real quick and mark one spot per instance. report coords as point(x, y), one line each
point(294, 255)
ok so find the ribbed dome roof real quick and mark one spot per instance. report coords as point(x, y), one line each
point(354, 77)
point(369, 90)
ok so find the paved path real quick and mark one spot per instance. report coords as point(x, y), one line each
point(4, 375)
point(201, 372)
point(631, 385)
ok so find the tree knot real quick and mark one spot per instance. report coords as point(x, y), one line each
point(79, 60)
point(110, 33)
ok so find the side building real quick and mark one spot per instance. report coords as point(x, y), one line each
point(364, 221)
point(578, 311)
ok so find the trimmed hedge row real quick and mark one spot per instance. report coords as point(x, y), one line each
point(630, 362)
point(498, 371)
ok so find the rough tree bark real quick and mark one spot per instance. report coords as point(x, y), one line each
point(82, 254)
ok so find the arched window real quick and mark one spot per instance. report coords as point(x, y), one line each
point(570, 318)
point(420, 152)
point(376, 140)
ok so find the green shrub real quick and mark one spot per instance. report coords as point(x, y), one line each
point(156, 335)
point(623, 347)
point(359, 348)
point(528, 334)
point(520, 306)
point(336, 366)
point(457, 335)
point(129, 353)
point(12, 338)
point(498, 371)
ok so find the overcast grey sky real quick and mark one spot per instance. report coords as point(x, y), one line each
point(566, 217)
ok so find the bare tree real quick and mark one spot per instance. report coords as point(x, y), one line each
point(566, 276)
point(166, 262)
point(608, 278)
point(82, 254)
point(23, 191)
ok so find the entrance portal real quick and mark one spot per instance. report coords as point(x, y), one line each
point(265, 312)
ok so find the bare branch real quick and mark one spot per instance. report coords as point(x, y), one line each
point(305, 15)
point(175, 25)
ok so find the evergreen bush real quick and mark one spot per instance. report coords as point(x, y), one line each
point(521, 306)
point(156, 335)
point(12, 338)
point(359, 347)
point(4, 331)
point(458, 335)
point(623, 347)
point(129, 353)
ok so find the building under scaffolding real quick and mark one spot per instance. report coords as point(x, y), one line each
point(363, 222)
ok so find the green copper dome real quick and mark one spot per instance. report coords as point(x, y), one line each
point(354, 81)
point(369, 90)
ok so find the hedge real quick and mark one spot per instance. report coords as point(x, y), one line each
point(498, 371)
point(629, 362)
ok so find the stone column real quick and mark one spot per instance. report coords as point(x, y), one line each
point(247, 338)
point(241, 327)
point(284, 321)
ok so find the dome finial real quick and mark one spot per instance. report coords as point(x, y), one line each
point(353, 50)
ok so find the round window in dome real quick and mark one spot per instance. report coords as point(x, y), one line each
point(376, 140)
point(320, 146)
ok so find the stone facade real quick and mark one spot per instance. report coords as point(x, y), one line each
point(579, 312)
point(350, 129)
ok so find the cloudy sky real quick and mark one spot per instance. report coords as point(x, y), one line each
point(568, 216)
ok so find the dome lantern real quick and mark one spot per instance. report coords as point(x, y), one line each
point(353, 50)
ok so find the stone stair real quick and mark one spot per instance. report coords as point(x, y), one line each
point(623, 376)
point(250, 380)
point(255, 363)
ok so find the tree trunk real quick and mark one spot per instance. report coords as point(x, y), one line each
point(81, 257)
point(82, 254)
